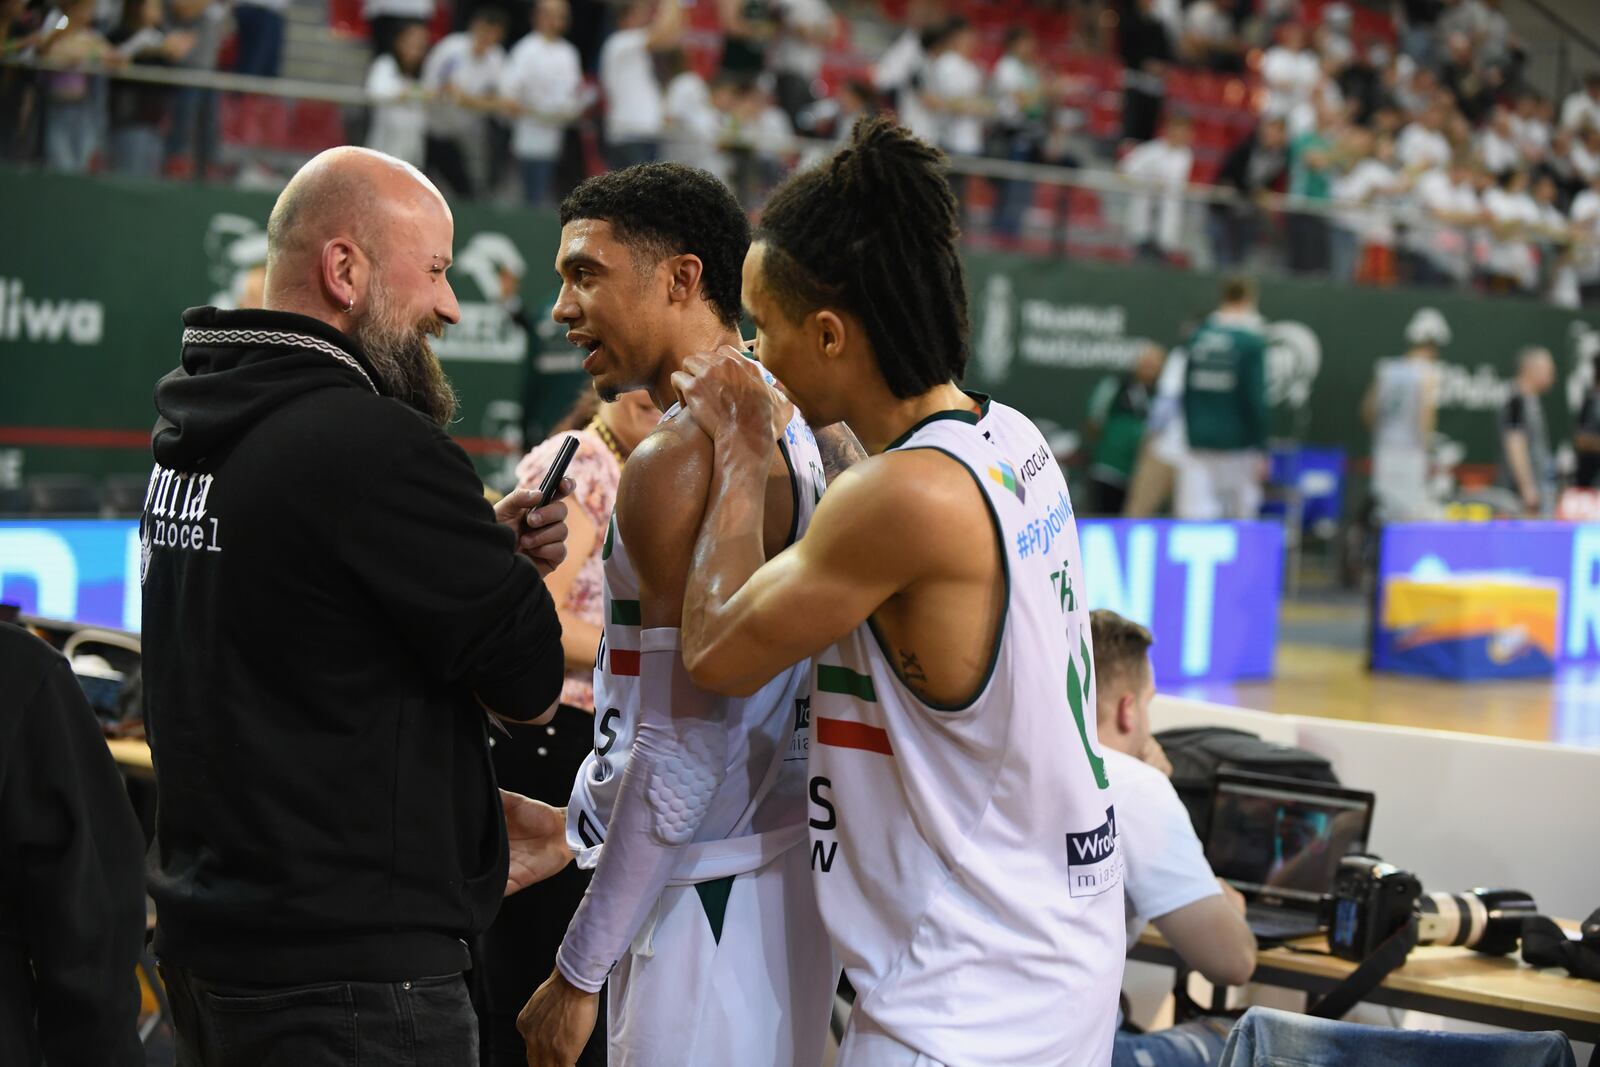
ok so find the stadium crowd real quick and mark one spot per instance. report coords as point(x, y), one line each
point(1413, 146)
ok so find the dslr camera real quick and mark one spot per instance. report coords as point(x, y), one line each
point(1373, 900)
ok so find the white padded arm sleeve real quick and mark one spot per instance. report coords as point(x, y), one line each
point(677, 764)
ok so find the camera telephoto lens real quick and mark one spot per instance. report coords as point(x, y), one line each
point(1488, 920)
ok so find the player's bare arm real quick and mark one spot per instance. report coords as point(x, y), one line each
point(903, 539)
point(660, 503)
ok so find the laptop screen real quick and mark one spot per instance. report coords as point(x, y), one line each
point(1284, 838)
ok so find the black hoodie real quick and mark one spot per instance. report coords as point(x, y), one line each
point(325, 591)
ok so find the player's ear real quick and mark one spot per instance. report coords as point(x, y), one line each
point(830, 332)
point(684, 274)
point(1127, 712)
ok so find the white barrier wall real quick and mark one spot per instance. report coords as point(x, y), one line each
point(1459, 810)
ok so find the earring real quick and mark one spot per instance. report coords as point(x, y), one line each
point(351, 306)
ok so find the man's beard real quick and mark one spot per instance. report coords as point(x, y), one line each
point(405, 363)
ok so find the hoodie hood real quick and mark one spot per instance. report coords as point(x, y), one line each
point(237, 366)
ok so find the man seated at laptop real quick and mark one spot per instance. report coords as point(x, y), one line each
point(1166, 877)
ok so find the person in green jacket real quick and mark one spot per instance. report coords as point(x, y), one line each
point(1118, 408)
point(1225, 409)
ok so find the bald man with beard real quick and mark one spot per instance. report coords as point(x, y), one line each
point(331, 614)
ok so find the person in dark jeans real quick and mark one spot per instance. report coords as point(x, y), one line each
point(1258, 164)
point(1586, 434)
point(331, 612)
point(260, 27)
point(1146, 51)
point(71, 873)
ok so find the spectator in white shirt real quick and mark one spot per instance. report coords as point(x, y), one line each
point(805, 29)
point(386, 18)
point(1371, 183)
point(1022, 124)
point(634, 113)
point(1166, 879)
point(542, 84)
point(1512, 217)
point(1423, 145)
point(463, 73)
point(1529, 125)
point(954, 89)
point(693, 125)
point(399, 115)
point(1585, 220)
point(1165, 164)
point(1558, 257)
point(1291, 71)
point(1439, 245)
point(894, 71)
point(1497, 145)
point(1585, 153)
point(1583, 106)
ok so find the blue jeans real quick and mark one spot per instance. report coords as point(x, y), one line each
point(194, 126)
point(537, 175)
point(1190, 1044)
point(71, 135)
point(136, 151)
point(620, 154)
point(1343, 249)
point(260, 40)
point(1013, 195)
point(334, 1024)
point(1266, 1036)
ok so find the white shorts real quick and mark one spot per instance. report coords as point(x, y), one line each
point(761, 993)
point(1400, 484)
point(1219, 485)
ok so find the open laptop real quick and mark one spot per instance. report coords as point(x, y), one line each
point(1278, 841)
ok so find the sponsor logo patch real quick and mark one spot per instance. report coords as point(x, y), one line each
point(1093, 863)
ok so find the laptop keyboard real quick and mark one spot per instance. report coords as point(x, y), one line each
point(1278, 923)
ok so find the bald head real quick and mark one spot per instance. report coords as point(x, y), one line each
point(345, 194)
point(361, 241)
point(1536, 369)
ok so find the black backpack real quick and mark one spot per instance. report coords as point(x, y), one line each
point(1197, 753)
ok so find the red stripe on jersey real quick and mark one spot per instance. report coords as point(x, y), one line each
point(841, 733)
point(625, 661)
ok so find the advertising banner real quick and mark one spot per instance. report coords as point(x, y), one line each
point(1555, 615)
point(1209, 591)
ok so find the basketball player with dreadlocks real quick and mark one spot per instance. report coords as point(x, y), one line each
point(692, 808)
point(962, 842)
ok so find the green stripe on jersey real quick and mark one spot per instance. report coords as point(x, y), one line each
point(625, 613)
point(832, 679)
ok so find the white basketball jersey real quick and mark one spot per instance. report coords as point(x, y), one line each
point(760, 809)
point(965, 858)
point(1399, 402)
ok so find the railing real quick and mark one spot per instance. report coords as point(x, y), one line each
point(1083, 213)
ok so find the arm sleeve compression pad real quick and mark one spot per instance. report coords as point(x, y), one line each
point(677, 764)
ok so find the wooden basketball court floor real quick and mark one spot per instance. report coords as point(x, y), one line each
point(1321, 670)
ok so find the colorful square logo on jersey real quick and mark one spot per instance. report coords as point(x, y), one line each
point(1006, 476)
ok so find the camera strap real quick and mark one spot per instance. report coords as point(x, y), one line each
point(1387, 957)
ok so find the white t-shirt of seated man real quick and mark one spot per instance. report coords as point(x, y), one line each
point(1164, 866)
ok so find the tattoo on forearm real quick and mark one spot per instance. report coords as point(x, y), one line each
point(911, 669)
point(840, 450)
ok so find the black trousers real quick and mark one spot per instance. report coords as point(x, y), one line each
point(1108, 499)
point(518, 952)
point(427, 1020)
point(446, 159)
